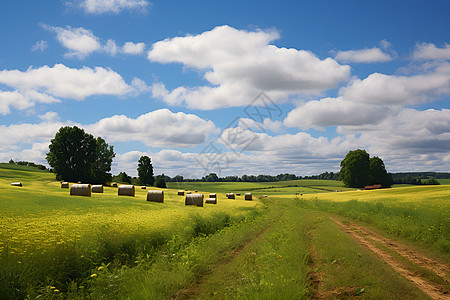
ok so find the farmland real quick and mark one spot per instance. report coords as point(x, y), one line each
point(295, 243)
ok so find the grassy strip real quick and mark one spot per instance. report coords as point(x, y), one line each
point(177, 266)
point(348, 269)
point(417, 222)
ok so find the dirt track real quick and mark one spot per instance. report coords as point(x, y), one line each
point(369, 239)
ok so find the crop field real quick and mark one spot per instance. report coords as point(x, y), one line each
point(304, 240)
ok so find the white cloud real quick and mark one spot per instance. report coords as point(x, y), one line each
point(65, 82)
point(110, 47)
point(79, 41)
point(371, 55)
point(394, 90)
point(133, 48)
point(335, 112)
point(39, 46)
point(239, 64)
point(22, 100)
point(429, 51)
point(113, 6)
point(160, 128)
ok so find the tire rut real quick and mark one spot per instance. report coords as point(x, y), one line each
point(366, 237)
point(194, 290)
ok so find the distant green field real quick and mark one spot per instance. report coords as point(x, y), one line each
point(291, 187)
point(444, 181)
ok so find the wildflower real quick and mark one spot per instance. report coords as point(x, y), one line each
point(52, 287)
point(100, 268)
point(56, 290)
point(93, 275)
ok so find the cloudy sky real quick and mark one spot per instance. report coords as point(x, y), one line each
point(231, 87)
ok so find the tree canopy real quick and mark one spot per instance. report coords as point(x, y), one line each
point(145, 170)
point(359, 170)
point(77, 156)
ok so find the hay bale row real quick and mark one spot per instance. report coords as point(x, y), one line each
point(181, 193)
point(211, 201)
point(16, 184)
point(230, 196)
point(126, 190)
point(194, 199)
point(114, 184)
point(248, 196)
point(64, 185)
point(155, 196)
point(97, 188)
point(213, 195)
point(143, 187)
point(80, 190)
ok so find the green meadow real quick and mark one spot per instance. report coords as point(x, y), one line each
point(57, 246)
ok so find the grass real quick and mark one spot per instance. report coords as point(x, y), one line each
point(418, 214)
point(53, 245)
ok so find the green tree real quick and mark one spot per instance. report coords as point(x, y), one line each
point(160, 182)
point(72, 154)
point(355, 169)
point(145, 170)
point(378, 173)
point(104, 155)
point(77, 156)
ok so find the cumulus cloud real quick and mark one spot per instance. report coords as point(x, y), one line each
point(159, 128)
point(65, 82)
point(39, 46)
point(113, 6)
point(371, 55)
point(22, 100)
point(82, 42)
point(239, 64)
point(133, 48)
point(335, 112)
point(392, 89)
point(429, 51)
point(79, 41)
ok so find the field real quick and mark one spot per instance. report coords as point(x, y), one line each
point(304, 240)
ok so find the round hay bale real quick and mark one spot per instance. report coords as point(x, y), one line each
point(238, 194)
point(80, 190)
point(126, 190)
point(248, 196)
point(213, 195)
point(114, 184)
point(155, 196)
point(16, 184)
point(231, 196)
point(143, 187)
point(211, 201)
point(180, 193)
point(64, 185)
point(194, 199)
point(97, 188)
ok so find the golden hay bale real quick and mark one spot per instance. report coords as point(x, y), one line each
point(180, 193)
point(126, 190)
point(16, 184)
point(114, 184)
point(64, 185)
point(155, 196)
point(248, 196)
point(230, 196)
point(97, 188)
point(194, 199)
point(213, 195)
point(80, 190)
point(211, 201)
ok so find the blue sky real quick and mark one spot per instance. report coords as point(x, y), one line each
point(181, 82)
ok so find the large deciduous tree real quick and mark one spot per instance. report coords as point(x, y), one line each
point(359, 170)
point(355, 169)
point(145, 170)
point(77, 156)
point(378, 173)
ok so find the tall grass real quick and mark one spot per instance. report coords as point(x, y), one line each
point(419, 222)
